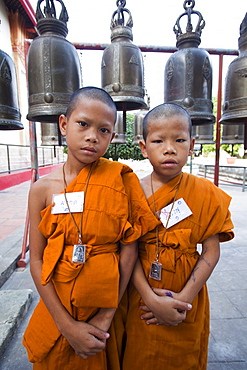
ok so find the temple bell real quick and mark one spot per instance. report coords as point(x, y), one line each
point(188, 72)
point(54, 71)
point(51, 136)
point(119, 137)
point(122, 71)
point(235, 99)
point(10, 116)
point(203, 134)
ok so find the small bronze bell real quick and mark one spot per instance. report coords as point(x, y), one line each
point(54, 71)
point(50, 135)
point(119, 129)
point(139, 117)
point(122, 72)
point(203, 134)
point(10, 115)
point(188, 72)
point(232, 134)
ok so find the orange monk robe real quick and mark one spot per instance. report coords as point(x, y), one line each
point(115, 210)
point(183, 346)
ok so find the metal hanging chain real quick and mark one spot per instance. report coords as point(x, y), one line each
point(79, 230)
point(120, 20)
point(168, 218)
point(190, 3)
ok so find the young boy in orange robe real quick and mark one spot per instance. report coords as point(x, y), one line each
point(85, 219)
point(192, 210)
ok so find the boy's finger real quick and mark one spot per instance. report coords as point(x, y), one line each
point(152, 321)
point(183, 306)
point(99, 334)
point(144, 308)
point(148, 315)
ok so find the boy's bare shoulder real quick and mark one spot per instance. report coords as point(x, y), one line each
point(48, 185)
point(145, 184)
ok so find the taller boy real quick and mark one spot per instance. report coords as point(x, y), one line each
point(82, 255)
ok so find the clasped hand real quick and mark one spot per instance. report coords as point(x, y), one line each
point(86, 339)
point(165, 310)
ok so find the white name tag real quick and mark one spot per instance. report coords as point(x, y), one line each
point(75, 201)
point(179, 212)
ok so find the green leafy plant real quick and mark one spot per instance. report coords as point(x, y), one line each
point(127, 150)
point(232, 150)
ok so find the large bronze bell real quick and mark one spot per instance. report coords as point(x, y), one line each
point(122, 72)
point(10, 116)
point(232, 134)
point(203, 134)
point(50, 135)
point(235, 103)
point(188, 72)
point(54, 71)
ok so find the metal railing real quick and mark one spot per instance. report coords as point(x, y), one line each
point(18, 157)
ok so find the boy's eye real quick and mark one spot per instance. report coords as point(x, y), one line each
point(180, 140)
point(104, 130)
point(157, 141)
point(82, 123)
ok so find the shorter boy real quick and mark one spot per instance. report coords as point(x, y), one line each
point(82, 242)
point(192, 211)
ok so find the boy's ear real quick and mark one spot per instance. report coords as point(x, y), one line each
point(63, 124)
point(192, 143)
point(142, 146)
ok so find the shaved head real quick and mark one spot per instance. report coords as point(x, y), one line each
point(165, 110)
point(90, 93)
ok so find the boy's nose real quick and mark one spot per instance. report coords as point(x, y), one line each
point(169, 149)
point(92, 136)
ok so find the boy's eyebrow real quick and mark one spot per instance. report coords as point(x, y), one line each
point(88, 119)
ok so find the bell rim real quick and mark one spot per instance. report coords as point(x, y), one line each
point(10, 125)
point(233, 118)
point(132, 103)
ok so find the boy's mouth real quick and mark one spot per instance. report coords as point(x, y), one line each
point(169, 163)
point(88, 149)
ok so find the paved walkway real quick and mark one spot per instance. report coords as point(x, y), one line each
point(13, 202)
point(227, 285)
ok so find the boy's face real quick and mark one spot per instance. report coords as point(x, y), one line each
point(168, 145)
point(89, 130)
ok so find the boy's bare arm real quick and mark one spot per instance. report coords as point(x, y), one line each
point(202, 270)
point(159, 309)
point(200, 274)
point(128, 256)
point(84, 338)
